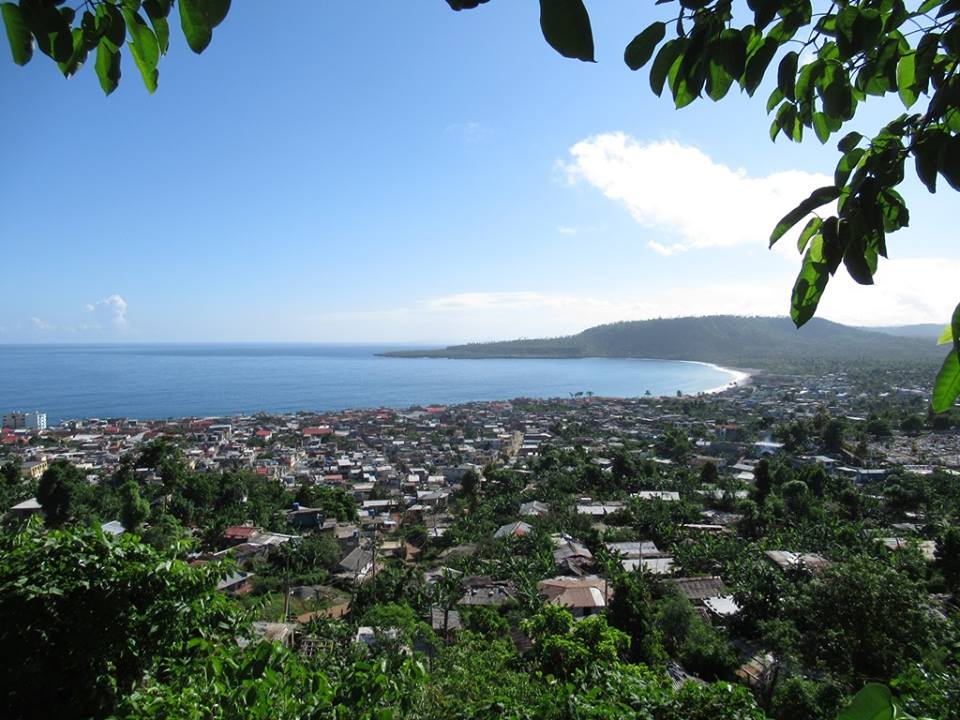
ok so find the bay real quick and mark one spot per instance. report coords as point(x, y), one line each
point(172, 380)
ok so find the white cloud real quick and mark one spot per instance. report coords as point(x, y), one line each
point(41, 325)
point(115, 307)
point(907, 292)
point(680, 190)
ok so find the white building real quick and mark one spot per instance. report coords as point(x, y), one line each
point(25, 421)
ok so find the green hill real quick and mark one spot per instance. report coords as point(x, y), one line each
point(750, 342)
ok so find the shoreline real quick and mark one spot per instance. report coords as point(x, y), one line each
point(741, 378)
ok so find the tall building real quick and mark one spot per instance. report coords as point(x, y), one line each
point(25, 420)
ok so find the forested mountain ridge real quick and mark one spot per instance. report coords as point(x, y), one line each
point(755, 342)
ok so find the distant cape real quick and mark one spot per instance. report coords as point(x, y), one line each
point(771, 343)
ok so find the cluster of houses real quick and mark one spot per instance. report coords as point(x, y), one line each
point(403, 466)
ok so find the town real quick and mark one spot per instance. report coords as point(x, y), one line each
point(715, 532)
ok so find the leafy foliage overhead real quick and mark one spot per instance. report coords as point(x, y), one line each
point(68, 37)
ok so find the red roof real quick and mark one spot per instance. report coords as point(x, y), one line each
point(264, 433)
point(239, 532)
point(313, 431)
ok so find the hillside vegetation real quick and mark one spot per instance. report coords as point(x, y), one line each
point(754, 342)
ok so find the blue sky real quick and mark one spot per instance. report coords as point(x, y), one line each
point(399, 172)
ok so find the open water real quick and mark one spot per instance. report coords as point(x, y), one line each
point(167, 380)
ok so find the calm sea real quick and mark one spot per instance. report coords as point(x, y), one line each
point(159, 381)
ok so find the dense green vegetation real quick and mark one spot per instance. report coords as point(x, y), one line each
point(751, 342)
point(100, 626)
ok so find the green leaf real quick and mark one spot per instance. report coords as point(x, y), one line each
point(786, 120)
point(157, 11)
point(858, 264)
point(465, 4)
point(787, 75)
point(144, 48)
point(946, 337)
point(775, 97)
point(718, 80)
point(641, 48)
point(820, 196)
point(849, 141)
point(821, 126)
point(161, 29)
point(906, 79)
point(808, 232)
point(925, 56)
point(836, 93)
point(196, 25)
point(763, 11)
point(846, 165)
point(926, 155)
point(867, 27)
point(108, 66)
point(810, 284)
point(955, 326)
point(79, 56)
point(21, 42)
point(949, 160)
point(757, 63)
point(51, 30)
point(566, 27)
point(946, 388)
point(928, 5)
point(873, 702)
point(111, 27)
point(730, 50)
point(669, 54)
point(686, 86)
point(809, 75)
point(216, 11)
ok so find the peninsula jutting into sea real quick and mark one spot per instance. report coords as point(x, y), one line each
point(755, 342)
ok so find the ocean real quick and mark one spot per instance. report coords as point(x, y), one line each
point(172, 380)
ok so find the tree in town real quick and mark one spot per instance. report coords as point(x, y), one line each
point(796, 496)
point(562, 645)
point(632, 610)
point(470, 484)
point(948, 557)
point(833, 435)
point(708, 473)
point(61, 487)
point(762, 481)
point(10, 470)
point(134, 509)
point(862, 619)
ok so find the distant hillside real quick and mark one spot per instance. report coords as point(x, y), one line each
point(746, 342)
point(928, 331)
